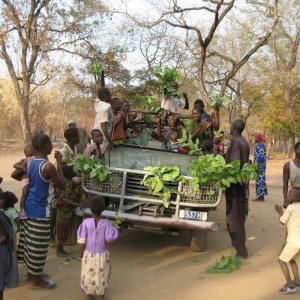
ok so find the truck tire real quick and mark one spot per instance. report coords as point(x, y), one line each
point(198, 240)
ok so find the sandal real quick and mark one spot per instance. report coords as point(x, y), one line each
point(44, 275)
point(44, 285)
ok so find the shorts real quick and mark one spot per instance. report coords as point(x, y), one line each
point(289, 252)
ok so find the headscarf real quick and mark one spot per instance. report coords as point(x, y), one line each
point(260, 137)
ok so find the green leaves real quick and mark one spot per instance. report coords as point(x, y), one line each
point(165, 76)
point(226, 265)
point(162, 175)
point(117, 222)
point(211, 170)
point(217, 101)
point(90, 167)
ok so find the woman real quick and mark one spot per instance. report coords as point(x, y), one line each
point(35, 231)
point(260, 157)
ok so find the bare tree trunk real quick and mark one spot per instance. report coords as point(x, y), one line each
point(24, 118)
point(290, 146)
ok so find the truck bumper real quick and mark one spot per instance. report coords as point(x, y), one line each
point(163, 222)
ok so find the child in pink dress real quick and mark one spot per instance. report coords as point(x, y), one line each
point(93, 237)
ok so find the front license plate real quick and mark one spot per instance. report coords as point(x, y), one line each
point(193, 215)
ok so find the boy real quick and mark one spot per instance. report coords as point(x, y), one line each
point(291, 217)
point(95, 147)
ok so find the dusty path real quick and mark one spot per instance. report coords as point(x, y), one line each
point(149, 266)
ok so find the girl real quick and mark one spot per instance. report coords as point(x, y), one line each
point(94, 234)
point(10, 211)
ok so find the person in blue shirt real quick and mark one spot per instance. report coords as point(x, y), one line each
point(35, 231)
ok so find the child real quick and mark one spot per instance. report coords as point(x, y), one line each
point(93, 237)
point(67, 222)
point(21, 174)
point(291, 217)
point(9, 276)
point(10, 211)
point(95, 147)
point(69, 150)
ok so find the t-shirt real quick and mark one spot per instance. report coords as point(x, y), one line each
point(141, 140)
point(96, 239)
point(172, 103)
point(291, 217)
point(12, 214)
point(67, 152)
point(103, 114)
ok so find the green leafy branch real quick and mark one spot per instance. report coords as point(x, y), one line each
point(217, 101)
point(227, 264)
point(210, 170)
point(165, 76)
point(90, 167)
point(162, 175)
point(117, 221)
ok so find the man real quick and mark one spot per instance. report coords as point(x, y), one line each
point(139, 137)
point(104, 116)
point(291, 172)
point(214, 118)
point(173, 103)
point(236, 209)
point(83, 136)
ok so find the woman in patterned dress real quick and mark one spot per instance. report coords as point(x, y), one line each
point(260, 157)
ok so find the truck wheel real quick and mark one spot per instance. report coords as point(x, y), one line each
point(198, 240)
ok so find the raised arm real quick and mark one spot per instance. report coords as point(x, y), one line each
point(286, 177)
point(186, 99)
point(57, 177)
point(215, 119)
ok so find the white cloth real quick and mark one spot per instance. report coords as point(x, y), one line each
point(103, 114)
point(67, 152)
point(291, 217)
point(172, 103)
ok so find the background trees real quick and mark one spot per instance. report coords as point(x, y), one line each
point(245, 50)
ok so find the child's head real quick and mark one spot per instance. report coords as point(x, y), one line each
point(68, 171)
point(125, 105)
point(293, 195)
point(174, 136)
point(10, 199)
point(97, 205)
point(72, 135)
point(29, 151)
point(97, 136)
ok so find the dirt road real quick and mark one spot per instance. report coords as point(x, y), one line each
point(149, 266)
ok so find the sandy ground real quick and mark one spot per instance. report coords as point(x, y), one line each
point(147, 266)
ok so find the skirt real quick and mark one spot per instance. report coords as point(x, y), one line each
point(95, 273)
point(33, 244)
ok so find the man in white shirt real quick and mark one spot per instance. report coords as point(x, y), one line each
point(104, 116)
point(173, 103)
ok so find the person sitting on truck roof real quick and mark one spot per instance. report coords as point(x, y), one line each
point(138, 136)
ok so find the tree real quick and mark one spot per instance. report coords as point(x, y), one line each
point(201, 24)
point(31, 31)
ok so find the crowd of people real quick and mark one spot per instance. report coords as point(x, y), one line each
point(52, 192)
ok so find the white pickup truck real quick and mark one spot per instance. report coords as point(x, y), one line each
point(127, 197)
